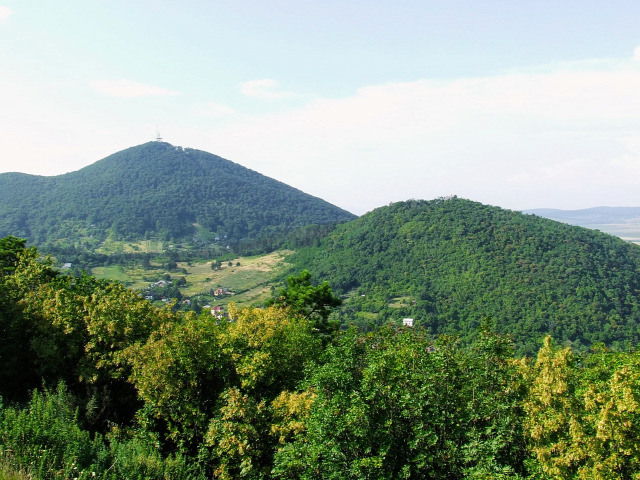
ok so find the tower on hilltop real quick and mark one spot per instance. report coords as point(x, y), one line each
point(158, 137)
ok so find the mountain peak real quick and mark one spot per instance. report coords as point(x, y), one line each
point(157, 189)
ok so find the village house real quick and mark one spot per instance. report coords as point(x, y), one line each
point(221, 292)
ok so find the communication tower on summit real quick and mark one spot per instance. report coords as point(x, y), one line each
point(158, 137)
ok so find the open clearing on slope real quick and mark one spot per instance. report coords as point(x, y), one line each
point(251, 281)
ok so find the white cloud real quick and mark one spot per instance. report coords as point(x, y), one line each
point(564, 136)
point(630, 160)
point(5, 12)
point(212, 109)
point(44, 134)
point(264, 89)
point(518, 140)
point(129, 89)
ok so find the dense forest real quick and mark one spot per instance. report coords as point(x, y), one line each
point(449, 263)
point(158, 190)
point(98, 383)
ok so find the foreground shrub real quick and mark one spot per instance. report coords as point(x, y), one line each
point(44, 440)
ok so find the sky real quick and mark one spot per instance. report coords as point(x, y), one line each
point(512, 103)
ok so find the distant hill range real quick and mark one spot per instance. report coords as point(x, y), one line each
point(449, 263)
point(590, 216)
point(157, 189)
point(623, 222)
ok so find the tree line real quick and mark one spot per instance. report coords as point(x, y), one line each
point(97, 382)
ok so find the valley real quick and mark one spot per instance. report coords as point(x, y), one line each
point(629, 232)
point(218, 324)
point(286, 240)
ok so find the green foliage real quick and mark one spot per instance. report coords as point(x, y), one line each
point(155, 394)
point(393, 404)
point(583, 415)
point(448, 263)
point(313, 302)
point(270, 350)
point(72, 329)
point(161, 190)
point(210, 383)
point(17, 330)
point(8, 473)
point(46, 441)
point(179, 373)
point(140, 459)
point(10, 250)
point(47, 438)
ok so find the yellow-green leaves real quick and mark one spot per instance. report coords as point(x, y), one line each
point(553, 417)
point(228, 385)
point(236, 436)
point(612, 411)
point(179, 374)
point(269, 348)
point(583, 421)
point(290, 411)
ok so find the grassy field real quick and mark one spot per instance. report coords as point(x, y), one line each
point(7, 473)
point(133, 277)
point(250, 278)
point(113, 272)
point(401, 302)
point(144, 246)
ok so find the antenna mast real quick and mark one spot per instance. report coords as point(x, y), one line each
point(158, 137)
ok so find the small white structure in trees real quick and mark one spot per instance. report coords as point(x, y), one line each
point(407, 322)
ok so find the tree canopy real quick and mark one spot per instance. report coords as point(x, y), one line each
point(157, 189)
point(97, 382)
point(448, 263)
point(314, 302)
point(10, 249)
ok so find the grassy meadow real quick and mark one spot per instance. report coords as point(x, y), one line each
point(249, 278)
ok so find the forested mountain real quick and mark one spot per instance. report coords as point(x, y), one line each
point(156, 189)
point(448, 263)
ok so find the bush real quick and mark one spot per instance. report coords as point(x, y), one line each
point(44, 440)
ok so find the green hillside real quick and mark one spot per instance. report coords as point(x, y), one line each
point(156, 190)
point(448, 263)
point(96, 382)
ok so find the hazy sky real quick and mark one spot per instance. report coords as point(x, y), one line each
point(520, 104)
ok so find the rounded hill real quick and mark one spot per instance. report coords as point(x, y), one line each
point(449, 263)
point(157, 189)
